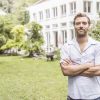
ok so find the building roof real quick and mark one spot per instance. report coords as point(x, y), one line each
point(40, 1)
point(36, 3)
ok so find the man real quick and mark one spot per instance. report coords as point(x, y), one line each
point(80, 61)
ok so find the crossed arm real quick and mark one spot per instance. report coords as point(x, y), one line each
point(92, 71)
point(87, 69)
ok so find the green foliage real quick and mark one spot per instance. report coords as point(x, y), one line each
point(10, 43)
point(35, 31)
point(5, 28)
point(8, 25)
point(35, 40)
point(32, 44)
point(11, 36)
point(5, 25)
point(31, 47)
point(1, 25)
point(23, 17)
point(57, 54)
point(18, 32)
point(7, 5)
point(2, 40)
point(96, 32)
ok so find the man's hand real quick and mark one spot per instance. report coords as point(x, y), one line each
point(87, 72)
point(70, 62)
point(92, 71)
point(67, 62)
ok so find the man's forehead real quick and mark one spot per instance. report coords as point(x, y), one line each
point(81, 19)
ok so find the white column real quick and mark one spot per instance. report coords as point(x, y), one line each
point(60, 39)
point(79, 6)
point(52, 38)
point(93, 9)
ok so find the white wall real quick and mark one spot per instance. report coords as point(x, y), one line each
point(49, 4)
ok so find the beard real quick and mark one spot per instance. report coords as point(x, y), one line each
point(81, 33)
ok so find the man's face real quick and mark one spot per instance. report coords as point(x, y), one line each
point(81, 26)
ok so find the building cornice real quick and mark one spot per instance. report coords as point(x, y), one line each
point(40, 1)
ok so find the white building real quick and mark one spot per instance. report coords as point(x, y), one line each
point(56, 17)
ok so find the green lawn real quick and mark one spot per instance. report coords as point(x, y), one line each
point(31, 79)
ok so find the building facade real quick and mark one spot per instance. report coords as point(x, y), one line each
point(56, 17)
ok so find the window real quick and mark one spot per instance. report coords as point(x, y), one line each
point(63, 24)
point(56, 38)
point(55, 12)
point(34, 16)
point(63, 10)
point(98, 7)
point(41, 15)
point(47, 13)
point(72, 7)
point(71, 23)
point(47, 26)
point(64, 35)
point(87, 6)
point(55, 25)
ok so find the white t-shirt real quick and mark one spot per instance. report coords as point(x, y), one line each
point(81, 87)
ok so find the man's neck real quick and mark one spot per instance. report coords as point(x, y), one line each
point(82, 40)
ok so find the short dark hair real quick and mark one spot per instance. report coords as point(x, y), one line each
point(82, 15)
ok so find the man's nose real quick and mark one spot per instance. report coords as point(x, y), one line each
point(81, 25)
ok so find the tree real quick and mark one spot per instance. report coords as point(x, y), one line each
point(35, 40)
point(18, 34)
point(5, 28)
point(23, 17)
point(2, 40)
point(96, 31)
point(7, 5)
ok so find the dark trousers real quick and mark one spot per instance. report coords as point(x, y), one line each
point(69, 98)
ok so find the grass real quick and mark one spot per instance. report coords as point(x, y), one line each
point(31, 79)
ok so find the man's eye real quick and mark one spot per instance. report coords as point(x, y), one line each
point(77, 23)
point(84, 23)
